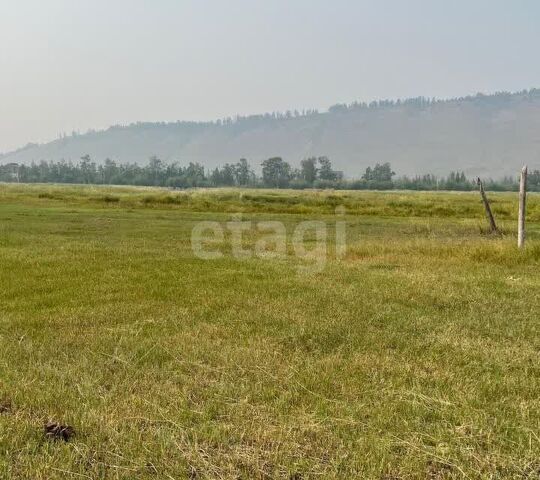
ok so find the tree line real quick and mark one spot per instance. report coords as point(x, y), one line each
point(313, 172)
point(240, 121)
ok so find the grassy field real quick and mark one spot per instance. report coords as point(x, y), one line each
point(416, 356)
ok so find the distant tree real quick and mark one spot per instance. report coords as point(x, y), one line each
point(379, 173)
point(338, 108)
point(534, 181)
point(326, 172)
point(457, 181)
point(228, 173)
point(194, 175)
point(244, 175)
point(276, 172)
point(108, 171)
point(216, 178)
point(86, 167)
point(419, 182)
point(308, 170)
point(155, 170)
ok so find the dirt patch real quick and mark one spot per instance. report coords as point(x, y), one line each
point(56, 431)
point(6, 406)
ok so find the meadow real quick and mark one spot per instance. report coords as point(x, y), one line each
point(415, 356)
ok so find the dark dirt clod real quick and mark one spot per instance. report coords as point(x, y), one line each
point(55, 431)
point(5, 405)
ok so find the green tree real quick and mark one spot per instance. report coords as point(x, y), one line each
point(326, 172)
point(228, 175)
point(194, 175)
point(244, 175)
point(379, 173)
point(155, 170)
point(216, 178)
point(108, 171)
point(534, 181)
point(276, 172)
point(86, 167)
point(308, 170)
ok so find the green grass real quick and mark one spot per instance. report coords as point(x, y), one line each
point(416, 356)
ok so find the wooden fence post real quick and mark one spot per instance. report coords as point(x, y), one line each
point(522, 207)
point(489, 213)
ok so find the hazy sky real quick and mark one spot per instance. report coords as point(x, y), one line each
point(77, 64)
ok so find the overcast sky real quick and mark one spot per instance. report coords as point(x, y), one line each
point(77, 64)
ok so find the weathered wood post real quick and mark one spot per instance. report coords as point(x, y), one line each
point(489, 213)
point(522, 207)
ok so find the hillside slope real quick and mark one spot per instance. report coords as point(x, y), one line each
point(486, 135)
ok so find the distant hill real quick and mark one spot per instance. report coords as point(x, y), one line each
point(482, 135)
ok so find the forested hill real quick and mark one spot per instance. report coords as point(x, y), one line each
point(481, 135)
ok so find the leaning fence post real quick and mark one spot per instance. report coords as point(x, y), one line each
point(522, 207)
point(489, 213)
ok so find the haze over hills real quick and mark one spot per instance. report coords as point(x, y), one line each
point(490, 135)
